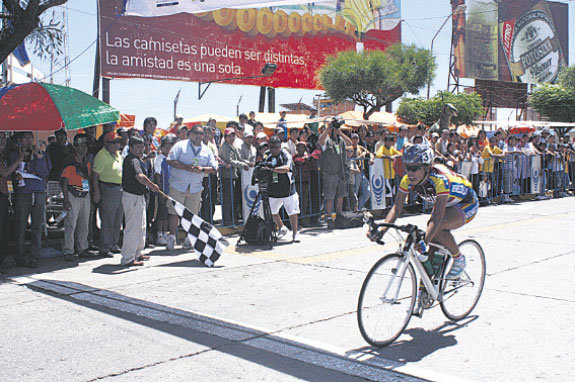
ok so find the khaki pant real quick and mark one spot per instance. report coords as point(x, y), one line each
point(191, 201)
point(76, 224)
point(135, 231)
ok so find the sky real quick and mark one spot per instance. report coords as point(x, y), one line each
point(421, 19)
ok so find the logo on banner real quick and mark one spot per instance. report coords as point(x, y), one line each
point(250, 195)
point(378, 187)
point(536, 178)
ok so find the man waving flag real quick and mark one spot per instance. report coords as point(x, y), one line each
point(205, 239)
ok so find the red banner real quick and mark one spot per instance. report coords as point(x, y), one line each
point(229, 43)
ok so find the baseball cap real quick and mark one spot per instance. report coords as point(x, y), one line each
point(229, 131)
point(261, 135)
point(80, 139)
point(354, 135)
point(111, 136)
point(300, 143)
point(249, 132)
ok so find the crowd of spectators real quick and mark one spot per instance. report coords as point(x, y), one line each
point(123, 177)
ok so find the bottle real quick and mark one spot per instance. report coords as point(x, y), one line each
point(481, 49)
point(61, 216)
point(424, 258)
point(437, 262)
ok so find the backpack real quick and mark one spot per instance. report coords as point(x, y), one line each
point(257, 231)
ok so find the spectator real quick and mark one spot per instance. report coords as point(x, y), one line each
point(248, 151)
point(402, 139)
point(282, 123)
point(175, 126)
point(441, 145)
point(482, 140)
point(217, 133)
point(243, 122)
point(259, 130)
point(151, 198)
point(260, 137)
point(51, 139)
point(182, 133)
point(313, 126)
point(252, 120)
point(6, 187)
point(363, 159)
point(292, 140)
point(474, 157)
point(150, 124)
point(93, 145)
point(389, 154)
point(282, 190)
point(29, 197)
point(279, 133)
point(491, 155)
point(262, 149)
point(333, 143)
point(370, 142)
point(190, 160)
point(305, 164)
point(124, 137)
point(229, 178)
point(381, 142)
point(107, 183)
point(210, 181)
point(58, 152)
point(162, 178)
point(106, 128)
point(75, 183)
point(353, 171)
point(135, 185)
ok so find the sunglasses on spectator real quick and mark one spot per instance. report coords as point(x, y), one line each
point(240, 128)
point(413, 168)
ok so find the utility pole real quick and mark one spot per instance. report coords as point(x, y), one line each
point(238, 105)
point(176, 104)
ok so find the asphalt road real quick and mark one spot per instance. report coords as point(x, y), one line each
point(289, 313)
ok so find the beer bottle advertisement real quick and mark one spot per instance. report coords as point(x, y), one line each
point(530, 43)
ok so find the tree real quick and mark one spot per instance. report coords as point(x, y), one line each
point(372, 79)
point(557, 101)
point(24, 20)
point(468, 105)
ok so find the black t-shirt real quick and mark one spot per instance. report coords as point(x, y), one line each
point(133, 166)
point(58, 155)
point(281, 185)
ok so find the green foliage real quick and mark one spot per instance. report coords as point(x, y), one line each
point(47, 39)
point(567, 77)
point(554, 102)
point(412, 110)
point(372, 79)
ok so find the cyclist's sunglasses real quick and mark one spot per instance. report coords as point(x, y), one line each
point(413, 168)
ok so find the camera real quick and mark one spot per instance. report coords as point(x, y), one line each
point(337, 123)
point(261, 175)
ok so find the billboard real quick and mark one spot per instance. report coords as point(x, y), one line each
point(513, 40)
point(228, 43)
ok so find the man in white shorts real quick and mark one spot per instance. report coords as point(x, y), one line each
point(281, 187)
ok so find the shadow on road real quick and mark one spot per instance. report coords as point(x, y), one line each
point(422, 343)
point(242, 342)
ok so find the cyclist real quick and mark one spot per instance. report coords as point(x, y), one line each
point(455, 202)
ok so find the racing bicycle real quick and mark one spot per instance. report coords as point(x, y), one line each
point(400, 286)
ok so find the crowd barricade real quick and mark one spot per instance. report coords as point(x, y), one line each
point(498, 181)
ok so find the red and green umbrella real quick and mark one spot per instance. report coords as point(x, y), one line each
point(48, 107)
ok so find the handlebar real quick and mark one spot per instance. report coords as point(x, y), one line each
point(414, 233)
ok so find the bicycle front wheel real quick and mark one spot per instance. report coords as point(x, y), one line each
point(386, 300)
point(460, 295)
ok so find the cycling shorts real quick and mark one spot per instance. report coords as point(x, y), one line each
point(469, 209)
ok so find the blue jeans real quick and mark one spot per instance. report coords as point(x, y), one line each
point(362, 189)
point(26, 204)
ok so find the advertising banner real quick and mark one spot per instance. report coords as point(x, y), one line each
point(224, 44)
point(380, 187)
point(249, 195)
point(514, 40)
point(536, 176)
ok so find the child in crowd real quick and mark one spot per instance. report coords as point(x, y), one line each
point(161, 178)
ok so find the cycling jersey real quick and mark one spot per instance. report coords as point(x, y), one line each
point(441, 181)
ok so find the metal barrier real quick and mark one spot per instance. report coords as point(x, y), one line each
point(499, 180)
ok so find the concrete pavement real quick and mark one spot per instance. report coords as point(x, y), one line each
point(289, 313)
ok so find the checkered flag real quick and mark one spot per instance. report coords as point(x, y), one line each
point(205, 239)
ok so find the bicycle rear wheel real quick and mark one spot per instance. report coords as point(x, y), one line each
point(386, 300)
point(460, 295)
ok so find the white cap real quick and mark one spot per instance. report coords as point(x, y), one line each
point(249, 131)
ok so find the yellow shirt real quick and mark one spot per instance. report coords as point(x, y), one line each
point(388, 171)
point(108, 167)
point(488, 160)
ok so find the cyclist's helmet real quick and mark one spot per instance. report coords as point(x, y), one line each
point(418, 154)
